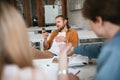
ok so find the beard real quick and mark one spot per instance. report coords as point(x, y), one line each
point(61, 28)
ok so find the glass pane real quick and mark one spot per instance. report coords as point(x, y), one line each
point(33, 13)
point(46, 2)
point(20, 6)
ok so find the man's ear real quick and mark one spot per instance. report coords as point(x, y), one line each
point(99, 21)
point(65, 21)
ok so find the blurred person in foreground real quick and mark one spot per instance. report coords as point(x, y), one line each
point(104, 19)
point(15, 53)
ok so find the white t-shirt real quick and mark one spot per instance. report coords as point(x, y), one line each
point(55, 45)
point(13, 72)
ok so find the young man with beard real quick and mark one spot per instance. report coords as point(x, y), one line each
point(63, 34)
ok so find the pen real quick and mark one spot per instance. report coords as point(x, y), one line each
point(77, 73)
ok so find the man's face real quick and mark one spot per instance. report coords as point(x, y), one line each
point(60, 23)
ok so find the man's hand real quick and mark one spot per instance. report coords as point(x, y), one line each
point(44, 34)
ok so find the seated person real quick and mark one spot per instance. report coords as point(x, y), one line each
point(15, 52)
point(105, 22)
point(62, 35)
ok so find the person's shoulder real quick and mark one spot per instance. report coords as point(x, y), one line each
point(115, 39)
point(11, 68)
point(8, 69)
point(112, 44)
point(14, 68)
point(72, 30)
point(27, 72)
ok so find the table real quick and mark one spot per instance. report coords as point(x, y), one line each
point(87, 71)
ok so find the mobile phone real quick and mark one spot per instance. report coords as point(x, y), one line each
point(43, 30)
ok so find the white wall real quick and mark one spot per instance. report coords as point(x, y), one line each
point(76, 19)
point(50, 13)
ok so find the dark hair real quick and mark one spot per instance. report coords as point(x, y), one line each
point(108, 10)
point(64, 18)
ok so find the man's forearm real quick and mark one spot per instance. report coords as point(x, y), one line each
point(90, 50)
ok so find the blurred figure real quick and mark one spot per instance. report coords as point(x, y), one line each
point(15, 53)
point(105, 22)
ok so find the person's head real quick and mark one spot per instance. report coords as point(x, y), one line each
point(61, 22)
point(14, 45)
point(100, 12)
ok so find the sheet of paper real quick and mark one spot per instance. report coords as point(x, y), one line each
point(77, 60)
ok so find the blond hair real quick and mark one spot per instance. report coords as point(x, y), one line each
point(14, 43)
